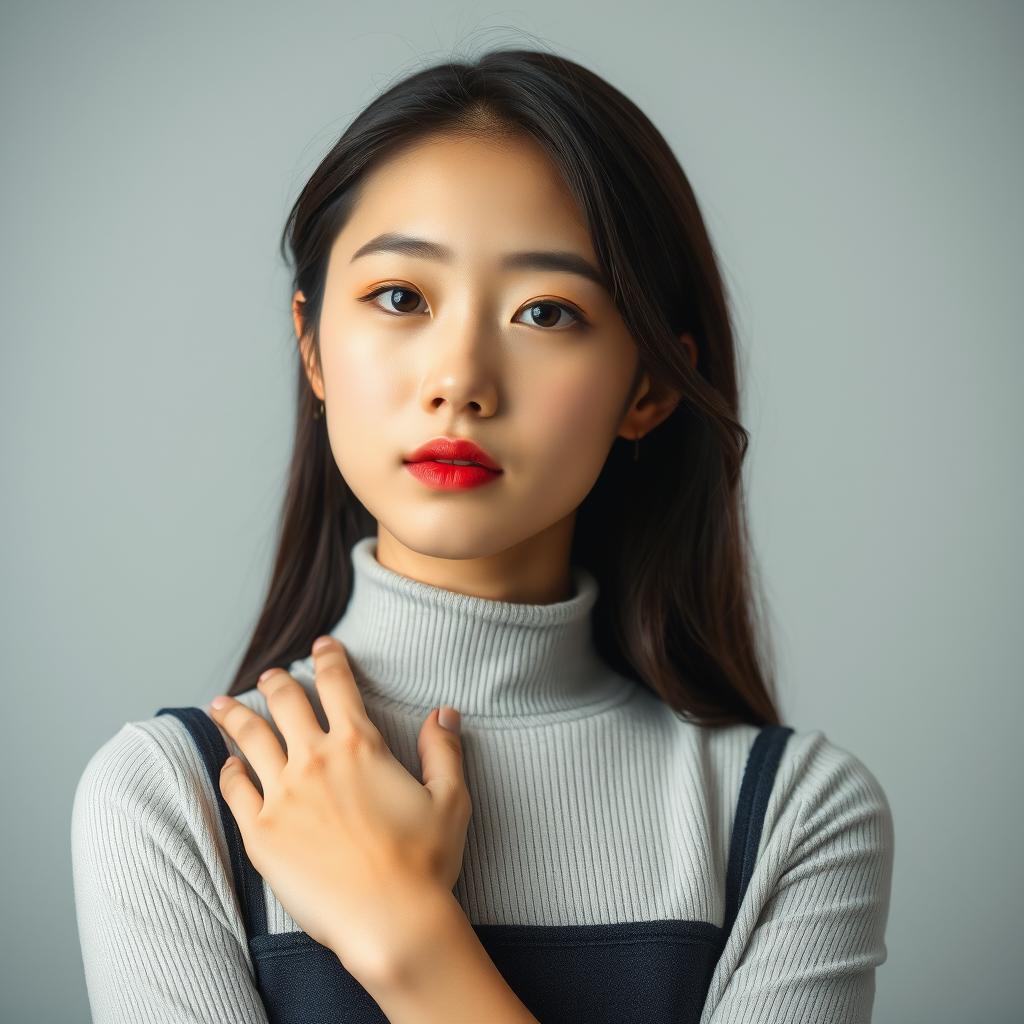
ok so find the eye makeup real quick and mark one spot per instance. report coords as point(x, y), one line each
point(578, 318)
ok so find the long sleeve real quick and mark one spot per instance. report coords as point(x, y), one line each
point(160, 940)
point(816, 927)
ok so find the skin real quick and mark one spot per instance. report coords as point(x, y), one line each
point(362, 854)
point(347, 838)
point(465, 356)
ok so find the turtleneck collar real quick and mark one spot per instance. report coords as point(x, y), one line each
point(418, 645)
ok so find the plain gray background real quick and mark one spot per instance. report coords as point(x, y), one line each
point(859, 167)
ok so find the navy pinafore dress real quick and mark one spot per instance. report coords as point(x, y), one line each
point(647, 971)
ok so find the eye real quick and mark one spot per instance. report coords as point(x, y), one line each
point(400, 294)
point(576, 318)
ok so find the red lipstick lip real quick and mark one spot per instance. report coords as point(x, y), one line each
point(442, 476)
point(453, 448)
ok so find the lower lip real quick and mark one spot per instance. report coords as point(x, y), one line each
point(451, 478)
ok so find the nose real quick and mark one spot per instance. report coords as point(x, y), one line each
point(461, 377)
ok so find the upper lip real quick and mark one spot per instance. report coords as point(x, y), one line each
point(453, 448)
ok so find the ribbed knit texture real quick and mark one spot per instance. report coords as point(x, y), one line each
point(593, 803)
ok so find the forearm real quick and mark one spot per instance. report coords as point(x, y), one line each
point(445, 976)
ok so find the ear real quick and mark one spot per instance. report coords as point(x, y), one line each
point(652, 403)
point(306, 345)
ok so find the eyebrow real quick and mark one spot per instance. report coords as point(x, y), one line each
point(563, 260)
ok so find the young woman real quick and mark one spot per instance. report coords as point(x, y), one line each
point(515, 493)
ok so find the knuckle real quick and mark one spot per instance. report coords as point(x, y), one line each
point(436, 858)
point(354, 738)
point(251, 727)
point(277, 684)
point(314, 762)
point(457, 800)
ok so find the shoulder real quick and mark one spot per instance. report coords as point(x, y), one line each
point(157, 754)
point(131, 770)
point(150, 768)
point(812, 775)
point(146, 818)
point(820, 792)
point(830, 784)
point(140, 820)
point(828, 808)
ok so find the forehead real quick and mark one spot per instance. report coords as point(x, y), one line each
point(478, 196)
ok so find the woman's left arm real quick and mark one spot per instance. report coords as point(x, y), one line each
point(818, 928)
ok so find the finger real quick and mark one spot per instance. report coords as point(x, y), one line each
point(240, 794)
point(293, 714)
point(342, 702)
point(441, 761)
point(253, 736)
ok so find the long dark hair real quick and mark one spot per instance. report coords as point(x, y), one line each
point(666, 537)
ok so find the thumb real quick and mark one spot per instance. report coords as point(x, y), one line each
point(440, 752)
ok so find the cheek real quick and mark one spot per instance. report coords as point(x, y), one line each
point(357, 373)
point(571, 424)
point(364, 399)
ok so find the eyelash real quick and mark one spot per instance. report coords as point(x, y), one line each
point(577, 316)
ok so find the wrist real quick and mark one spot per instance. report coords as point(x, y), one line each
point(426, 926)
point(444, 974)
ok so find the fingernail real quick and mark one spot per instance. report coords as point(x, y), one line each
point(218, 702)
point(450, 719)
point(320, 643)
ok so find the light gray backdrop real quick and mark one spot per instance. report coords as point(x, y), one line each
point(860, 170)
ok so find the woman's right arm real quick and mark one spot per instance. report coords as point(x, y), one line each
point(161, 937)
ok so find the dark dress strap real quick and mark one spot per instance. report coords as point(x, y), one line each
point(758, 779)
point(214, 752)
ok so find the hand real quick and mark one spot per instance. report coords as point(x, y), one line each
point(351, 843)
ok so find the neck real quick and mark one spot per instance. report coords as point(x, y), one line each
point(415, 644)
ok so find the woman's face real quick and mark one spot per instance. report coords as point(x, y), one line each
point(532, 362)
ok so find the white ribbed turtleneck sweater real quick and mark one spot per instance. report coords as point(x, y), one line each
point(593, 803)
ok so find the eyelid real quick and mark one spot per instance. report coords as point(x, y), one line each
point(568, 307)
point(380, 289)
